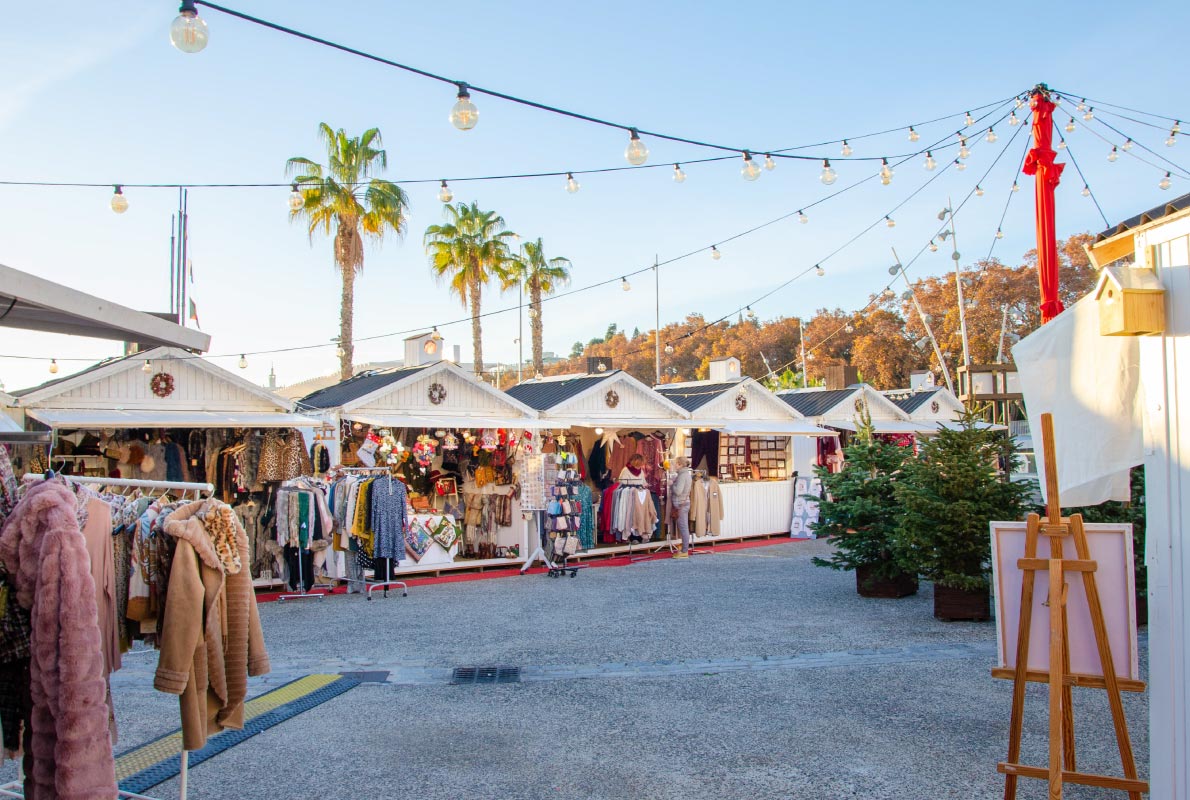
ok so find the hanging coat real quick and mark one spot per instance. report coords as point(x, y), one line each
point(706, 507)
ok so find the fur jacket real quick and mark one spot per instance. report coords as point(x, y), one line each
point(69, 746)
point(211, 639)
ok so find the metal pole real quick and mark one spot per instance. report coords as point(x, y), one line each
point(520, 323)
point(925, 324)
point(802, 336)
point(1003, 330)
point(958, 282)
point(657, 329)
point(173, 247)
point(184, 266)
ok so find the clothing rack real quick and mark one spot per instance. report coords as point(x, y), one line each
point(14, 789)
point(301, 593)
point(372, 585)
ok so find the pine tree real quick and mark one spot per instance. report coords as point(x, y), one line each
point(949, 494)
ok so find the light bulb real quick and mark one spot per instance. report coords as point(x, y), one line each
point(53, 366)
point(1127, 145)
point(849, 328)
point(1020, 103)
point(828, 175)
point(119, 201)
point(625, 285)
point(930, 162)
point(1086, 190)
point(801, 217)
point(913, 135)
point(959, 165)
point(1016, 187)
point(532, 312)
point(669, 348)
point(1171, 141)
point(188, 31)
point(296, 201)
point(1070, 126)
point(679, 176)
point(933, 246)
point(1165, 184)
point(1090, 115)
point(636, 152)
point(769, 164)
point(463, 114)
point(991, 137)
point(445, 194)
point(1113, 155)
point(243, 361)
point(819, 271)
point(886, 172)
point(978, 190)
point(846, 149)
point(1012, 120)
point(999, 233)
point(964, 151)
point(750, 314)
point(1082, 104)
point(146, 367)
point(715, 254)
point(1177, 127)
point(749, 171)
point(968, 120)
point(890, 222)
point(572, 185)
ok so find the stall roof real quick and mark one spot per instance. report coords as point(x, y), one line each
point(356, 387)
point(694, 395)
point(36, 304)
point(814, 403)
point(152, 418)
point(548, 392)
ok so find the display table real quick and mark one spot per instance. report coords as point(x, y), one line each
point(756, 508)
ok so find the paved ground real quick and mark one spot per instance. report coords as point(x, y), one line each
point(743, 674)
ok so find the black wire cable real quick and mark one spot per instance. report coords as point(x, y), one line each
point(1008, 202)
point(1178, 167)
point(1119, 148)
point(1086, 185)
point(1098, 103)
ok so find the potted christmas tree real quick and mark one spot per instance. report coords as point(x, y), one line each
point(948, 495)
point(858, 515)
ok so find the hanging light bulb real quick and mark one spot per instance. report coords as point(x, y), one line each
point(1127, 145)
point(1012, 120)
point(999, 233)
point(636, 152)
point(849, 328)
point(1090, 115)
point(991, 137)
point(933, 246)
point(53, 366)
point(801, 217)
point(968, 120)
point(930, 162)
point(243, 361)
point(669, 348)
point(818, 270)
point(1113, 155)
point(1070, 126)
point(749, 171)
point(964, 151)
point(445, 194)
point(960, 165)
point(532, 312)
point(1086, 190)
point(188, 31)
point(625, 285)
point(1016, 187)
point(978, 190)
point(913, 135)
point(1082, 104)
point(296, 201)
point(889, 221)
point(715, 254)
point(1171, 141)
point(886, 172)
point(1061, 143)
point(119, 201)
point(828, 175)
point(750, 314)
point(846, 149)
point(769, 164)
point(679, 176)
point(1177, 127)
point(1020, 103)
point(146, 367)
point(463, 114)
point(572, 185)
point(431, 344)
point(1165, 184)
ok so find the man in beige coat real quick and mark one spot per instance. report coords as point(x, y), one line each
point(211, 638)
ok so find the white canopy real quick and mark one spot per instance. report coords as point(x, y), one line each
point(754, 427)
point(151, 418)
point(381, 420)
point(633, 424)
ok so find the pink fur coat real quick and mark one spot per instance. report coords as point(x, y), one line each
point(70, 747)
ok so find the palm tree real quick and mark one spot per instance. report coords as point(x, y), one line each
point(468, 250)
point(541, 276)
point(345, 196)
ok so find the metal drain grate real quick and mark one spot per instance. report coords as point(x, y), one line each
point(465, 675)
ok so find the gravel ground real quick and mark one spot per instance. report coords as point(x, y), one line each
point(749, 673)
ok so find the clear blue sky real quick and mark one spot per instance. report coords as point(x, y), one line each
point(94, 92)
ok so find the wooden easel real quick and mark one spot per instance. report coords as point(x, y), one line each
point(1061, 680)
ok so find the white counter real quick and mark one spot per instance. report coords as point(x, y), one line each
point(756, 508)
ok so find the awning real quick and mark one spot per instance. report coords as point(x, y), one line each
point(789, 427)
point(444, 421)
point(9, 424)
point(642, 424)
point(153, 418)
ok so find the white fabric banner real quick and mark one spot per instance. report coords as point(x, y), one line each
point(1091, 385)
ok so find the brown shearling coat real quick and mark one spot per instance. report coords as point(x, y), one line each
point(211, 638)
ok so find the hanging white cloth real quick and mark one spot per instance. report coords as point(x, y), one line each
point(1091, 385)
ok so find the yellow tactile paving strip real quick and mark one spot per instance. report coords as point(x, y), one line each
point(155, 752)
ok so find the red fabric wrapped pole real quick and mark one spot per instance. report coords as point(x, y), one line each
point(1040, 163)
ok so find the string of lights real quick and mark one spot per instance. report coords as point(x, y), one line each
point(1126, 147)
point(1129, 142)
point(1016, 187)
point(1068, 96)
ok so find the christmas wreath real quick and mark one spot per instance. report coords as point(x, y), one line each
point(741, 402)
point(162, 384)
point(437, 393)
point(611, 398)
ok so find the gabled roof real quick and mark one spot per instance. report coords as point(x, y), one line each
point(912, 402)
point(356, 387)
point(813, 403)
point(696, 394)
point(1163, 210)
point(52, 382)
point(548, 392)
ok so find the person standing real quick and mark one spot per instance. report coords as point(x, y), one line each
point(680, 501)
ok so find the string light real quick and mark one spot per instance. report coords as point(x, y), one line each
point(968, 120)
point(999, 233)
point(1113, 155)
point(243, 361)
point(295, 199)
point(769, 164)
point(750, 314)
point(1165, 183)
point(1086, 190)
point(913, 135)
point(1127, 145)
point(846, 149)
point(1171, 141)
point(572, 185)
point(669, 349)
point(1012, 120)
point(849, 328)
point(991, 137)
point(1090, 115)
point(625, 285)
point(960, 165)
point(828, 175)
point(119, 201)
point(431, 345)
point(978, 190)
point(818, 270)
point(886, 172)
point(53, 366)
point(1020, 103)
point(679, 176)
point(1016, 187)
point(749, 171)
point(715, 254)
point(889, 221)
point(801, 217)
point(532, 312)
point(933, 246)
point(1061, 143)
point(146, 367)
point(188, 31)
point(464, 115)
point(636, 152)
point(1177, 127)
point(930, 162)
point(1082, 104)
point(1070, 126)
point(445, 194)
point(964, 151)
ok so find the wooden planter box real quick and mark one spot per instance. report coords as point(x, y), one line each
point(868, 586)
point(960, 604)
